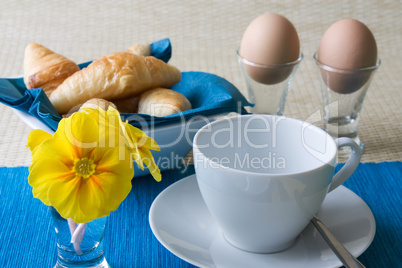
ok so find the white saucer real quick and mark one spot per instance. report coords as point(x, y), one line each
point(182, 223)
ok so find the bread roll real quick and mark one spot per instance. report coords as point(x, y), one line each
point(46, 69)
point(162, 102)
point(93, 103)
point(127, 105)
point(140, 49)
point(115, 76)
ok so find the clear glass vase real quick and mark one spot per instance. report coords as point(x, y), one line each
point(79, 245)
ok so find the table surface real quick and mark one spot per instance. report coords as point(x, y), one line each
point(28, 238)
point(205, 36)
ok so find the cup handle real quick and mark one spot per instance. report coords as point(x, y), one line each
point(350, 166)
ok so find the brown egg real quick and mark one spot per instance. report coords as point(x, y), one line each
point(269, 40)
point(346, 46)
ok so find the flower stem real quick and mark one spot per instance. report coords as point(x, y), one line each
point(71, 226)
point(77, 234)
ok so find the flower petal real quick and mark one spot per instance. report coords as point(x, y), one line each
point(64, 196)
point(36, 137)
point(81, 131)
point(140, 145)
point(149, 160)
point(139, 138)
point(137, 157)
point(108, 187)
point(44, 173)
point(104, 193)
point(56, 149)
point(117, 161)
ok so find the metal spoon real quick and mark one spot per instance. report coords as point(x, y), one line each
point(340, 251)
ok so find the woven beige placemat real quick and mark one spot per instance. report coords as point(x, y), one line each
point(205, 36)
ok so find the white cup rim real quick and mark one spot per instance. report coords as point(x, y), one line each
point(329, 161)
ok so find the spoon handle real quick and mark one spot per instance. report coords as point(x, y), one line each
point(343, 254)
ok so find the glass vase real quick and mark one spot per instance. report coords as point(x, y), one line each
point(79, 245)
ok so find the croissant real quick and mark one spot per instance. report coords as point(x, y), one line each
point(46, 69)
point(140, 49)
point(115, 76)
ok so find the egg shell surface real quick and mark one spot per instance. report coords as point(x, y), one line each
point(346, 48)
point(270, 40)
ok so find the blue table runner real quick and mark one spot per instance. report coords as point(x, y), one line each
point(27, 238)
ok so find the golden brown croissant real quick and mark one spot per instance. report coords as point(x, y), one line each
point(162, 102)
point(46, 69)
point(140, 49)
point(115, 76)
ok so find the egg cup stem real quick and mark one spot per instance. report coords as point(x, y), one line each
point(268, 85)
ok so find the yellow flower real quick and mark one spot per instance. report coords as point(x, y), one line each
point(85, 169)
point(73, 173)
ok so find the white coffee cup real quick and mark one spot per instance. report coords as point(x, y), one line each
point(263, 177)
